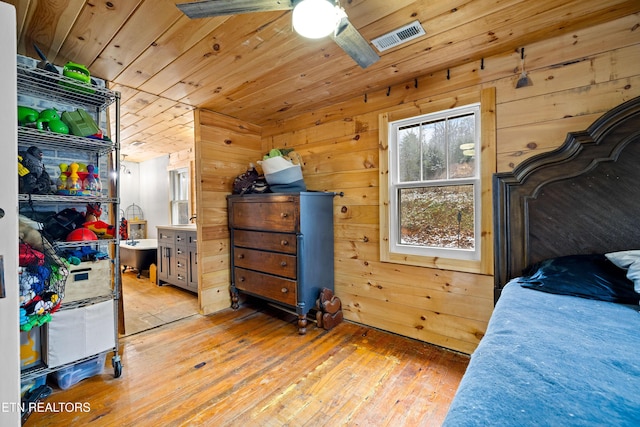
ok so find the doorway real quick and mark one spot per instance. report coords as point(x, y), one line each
point(148, 306)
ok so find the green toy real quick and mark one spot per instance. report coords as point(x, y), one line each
point(80, 73)
point(26, 115)
point(35, 320)
point(49, 119)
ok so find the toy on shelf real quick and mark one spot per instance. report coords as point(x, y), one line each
point(42, 276)
point(22, 170)
point(80, 73)
point(31, 322)
point(27, 115)
point(81, 123)
point(61, 182)
point(81, 234)
point(91, 183)
point(94, 212)
point(102, 229)
point(29, 256)
point(58, 226)
point(46, 303)
point(124, 235)
point(37, 180)
point(49, 119)
point(78, 179)
point(74, 184)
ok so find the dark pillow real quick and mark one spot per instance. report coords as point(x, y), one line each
point(585, 276)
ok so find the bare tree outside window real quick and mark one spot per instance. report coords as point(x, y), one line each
point(436, 181)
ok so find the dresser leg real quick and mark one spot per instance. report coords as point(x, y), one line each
point(302, 324)
point(234, 299)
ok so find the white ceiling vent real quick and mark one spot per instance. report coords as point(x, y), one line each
point(398, 36)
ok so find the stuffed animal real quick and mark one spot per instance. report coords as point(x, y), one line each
point(94, 212)
point(29, 234)
point(37, 181)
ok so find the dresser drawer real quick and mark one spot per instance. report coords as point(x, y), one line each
point(282, 216)
point(275, 288)
point(276, 242)
point(268, 262)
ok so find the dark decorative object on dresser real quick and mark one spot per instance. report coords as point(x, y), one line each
point(282, 248)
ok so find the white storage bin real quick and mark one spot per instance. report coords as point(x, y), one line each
point(79, 333)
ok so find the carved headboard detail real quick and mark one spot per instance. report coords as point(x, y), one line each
point(583, 197)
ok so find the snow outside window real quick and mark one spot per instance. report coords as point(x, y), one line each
point(434, 184)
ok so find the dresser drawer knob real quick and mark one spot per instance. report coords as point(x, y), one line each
point(285, 290)
point(242, 279)
point(283, 263)
point(284, 214)
point(240, 256)
point(285, 243)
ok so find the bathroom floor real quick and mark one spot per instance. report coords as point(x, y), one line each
point(147, 305)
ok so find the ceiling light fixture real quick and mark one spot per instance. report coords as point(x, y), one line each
point(316, 19)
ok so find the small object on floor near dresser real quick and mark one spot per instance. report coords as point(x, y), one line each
point(329, 308)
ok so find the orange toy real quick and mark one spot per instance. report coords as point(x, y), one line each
point(102, 229)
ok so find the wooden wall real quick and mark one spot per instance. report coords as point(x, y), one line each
point(224, 147)
point(576, 78)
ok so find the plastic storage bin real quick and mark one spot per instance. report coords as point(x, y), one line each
point(67, 377)
point(29, 385)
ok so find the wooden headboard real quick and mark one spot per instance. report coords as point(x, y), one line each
point(581, 198)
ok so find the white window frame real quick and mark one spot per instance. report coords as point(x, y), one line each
point(486, 97)
point(176, 178)
point(395, 185)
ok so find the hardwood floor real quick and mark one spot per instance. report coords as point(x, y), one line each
point(147, 305)
point(249, 367)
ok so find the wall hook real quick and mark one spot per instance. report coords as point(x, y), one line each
point(482, 64)
point(448, 74)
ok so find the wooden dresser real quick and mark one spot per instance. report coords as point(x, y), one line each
point(282, 248)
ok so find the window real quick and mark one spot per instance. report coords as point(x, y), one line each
point(179, 196)
point(436, 165)
point(434, 184)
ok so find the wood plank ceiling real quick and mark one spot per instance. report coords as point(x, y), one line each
point(256, 68)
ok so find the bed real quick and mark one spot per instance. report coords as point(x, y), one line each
point(563, 344)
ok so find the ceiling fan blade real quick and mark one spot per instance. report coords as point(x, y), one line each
point(352, 42)
point(208, 8)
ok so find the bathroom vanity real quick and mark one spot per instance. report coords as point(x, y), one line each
point(177, 258)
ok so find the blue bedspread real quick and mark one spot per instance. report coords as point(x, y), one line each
point(553, 360)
